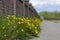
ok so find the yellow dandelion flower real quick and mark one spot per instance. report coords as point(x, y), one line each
point(35, 27)
point(29, 24)
point(22, 19)
point(7, 17)
point(3, 28)
point(28, 20)
point(22, 30)
point(5, 35)
point(19, 22)
point(14, 18)
point(36, 31)
point(32, 25)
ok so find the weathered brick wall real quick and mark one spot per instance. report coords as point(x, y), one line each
point(0, 6)
point(17, 7)
point(6, 6)
point(11, 7)
point(26, 10)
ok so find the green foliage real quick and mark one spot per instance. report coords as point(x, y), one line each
point(50, 14)
point(13, 28)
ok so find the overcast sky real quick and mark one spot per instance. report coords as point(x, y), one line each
point(46, 5)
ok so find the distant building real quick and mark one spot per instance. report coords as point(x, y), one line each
point(17, 7)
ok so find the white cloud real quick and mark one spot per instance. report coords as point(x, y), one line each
point(42, 2)
point(44, 5)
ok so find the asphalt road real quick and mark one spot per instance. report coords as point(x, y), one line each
point(50, 31)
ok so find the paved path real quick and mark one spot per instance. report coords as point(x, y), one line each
point(50, 31)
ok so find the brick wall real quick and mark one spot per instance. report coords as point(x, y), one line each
point(6, 6)
point(17, 7)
